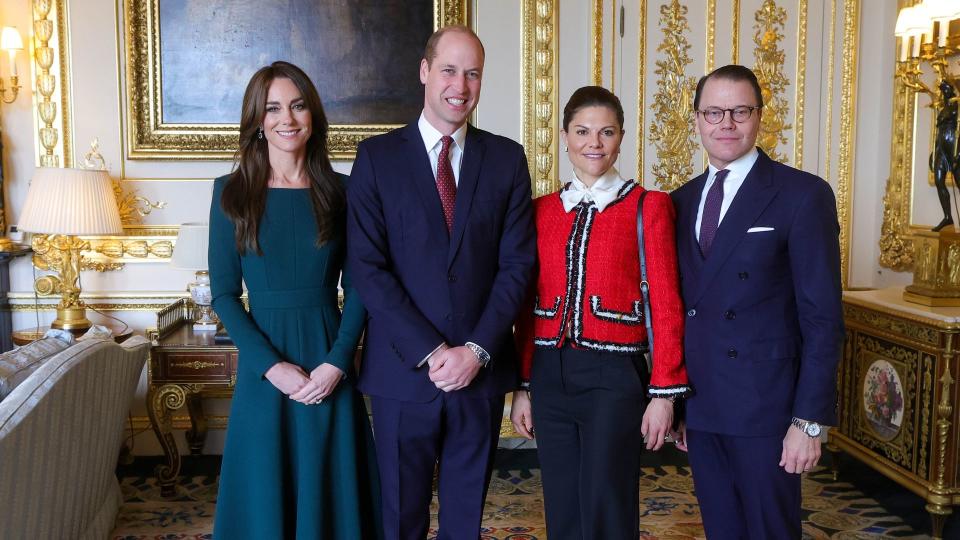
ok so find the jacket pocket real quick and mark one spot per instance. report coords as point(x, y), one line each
point(633, 318)
point(546, 313)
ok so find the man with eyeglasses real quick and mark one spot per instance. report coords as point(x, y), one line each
point(758, 246)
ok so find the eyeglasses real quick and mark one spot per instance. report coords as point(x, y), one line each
point(715, 115)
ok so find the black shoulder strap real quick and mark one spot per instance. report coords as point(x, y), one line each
point(644, 284)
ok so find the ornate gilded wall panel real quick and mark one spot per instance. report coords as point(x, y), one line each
point(641, 85)
point(671, 131)
point(801, 84)
point(769, 59)
point(540, 113)
point(848, 115)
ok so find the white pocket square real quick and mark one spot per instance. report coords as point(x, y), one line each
point(759, 229)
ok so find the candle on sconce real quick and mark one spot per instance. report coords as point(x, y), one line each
point(10, 41)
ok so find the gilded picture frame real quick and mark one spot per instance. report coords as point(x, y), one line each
point(150, 137)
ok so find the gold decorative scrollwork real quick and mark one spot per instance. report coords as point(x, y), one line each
point(896, 249)
point(140, 249)
point(926, 391)
point(944, 409)
point(672, 131)
point(801, 84)
point(60, 254)
point(197, 364)
point(540, 20)
point(892, 325)
point(769, 57)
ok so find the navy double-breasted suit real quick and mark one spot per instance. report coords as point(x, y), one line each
point(764, 327)
point(423, 286)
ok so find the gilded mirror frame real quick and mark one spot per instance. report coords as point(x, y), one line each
point(149, 138)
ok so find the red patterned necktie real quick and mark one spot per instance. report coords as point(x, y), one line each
point(710, 220)
point(446, 185)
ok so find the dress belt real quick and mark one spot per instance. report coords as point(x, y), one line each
point(293, 298)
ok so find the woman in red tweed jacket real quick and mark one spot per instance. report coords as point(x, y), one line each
point(582, 341)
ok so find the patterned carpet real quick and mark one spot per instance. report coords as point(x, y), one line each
point(514, 508)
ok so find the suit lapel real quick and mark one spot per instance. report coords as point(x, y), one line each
point(466, 187)
point(422, 174)
point(751, 200)
point(690, 236)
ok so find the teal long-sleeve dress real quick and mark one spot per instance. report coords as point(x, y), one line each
point(290, 470)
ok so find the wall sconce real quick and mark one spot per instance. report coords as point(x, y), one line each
point(11, 42)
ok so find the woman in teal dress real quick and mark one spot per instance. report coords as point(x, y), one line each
point(299, 461)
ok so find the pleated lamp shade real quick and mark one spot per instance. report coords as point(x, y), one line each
point(190, 251)
point(70, 201)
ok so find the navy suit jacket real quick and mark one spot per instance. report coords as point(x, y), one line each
point(764, 324)
point(423, 285)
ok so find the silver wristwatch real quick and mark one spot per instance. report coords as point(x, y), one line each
point(811, 429)
point(482, 356)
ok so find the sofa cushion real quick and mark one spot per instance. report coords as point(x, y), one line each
point(18, 364)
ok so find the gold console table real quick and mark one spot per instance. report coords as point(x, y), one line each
point(898, 394)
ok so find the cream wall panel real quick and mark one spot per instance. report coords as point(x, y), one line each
point(497, 22)
point(574, 57)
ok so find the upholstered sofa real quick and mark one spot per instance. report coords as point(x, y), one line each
point(60, 435)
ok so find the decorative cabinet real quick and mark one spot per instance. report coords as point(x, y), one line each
point(898, 394)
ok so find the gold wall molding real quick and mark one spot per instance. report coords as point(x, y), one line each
point(540, 20)
point(641, 86)
point(53, 136)
point(848, 115)
point(801, 79)
point(735, 51)
point(148, 137)
point(596, 35)
point(711, 35)
point(671, 132)
point(828, 138)
point(769, 59)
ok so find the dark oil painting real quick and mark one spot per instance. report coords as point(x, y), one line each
point(363, 56)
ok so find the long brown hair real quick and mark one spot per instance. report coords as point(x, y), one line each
point(245, 194)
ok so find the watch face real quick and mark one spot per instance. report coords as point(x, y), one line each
point(813, 429)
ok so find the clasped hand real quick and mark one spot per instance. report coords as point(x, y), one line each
point(307, 389)
point(453, 368)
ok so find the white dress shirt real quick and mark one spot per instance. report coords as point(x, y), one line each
point(603, 192)
point(431, 140)
point(739, 169)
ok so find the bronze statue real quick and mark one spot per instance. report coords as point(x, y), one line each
point(945, 156)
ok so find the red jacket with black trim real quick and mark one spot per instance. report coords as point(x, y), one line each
point(588, 284)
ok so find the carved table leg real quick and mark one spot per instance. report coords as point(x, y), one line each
point(197, 434)
point(834, 451)
point(938, 517)
point(160, 403)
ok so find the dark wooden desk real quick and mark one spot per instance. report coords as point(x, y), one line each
point(184, 368)
point(6, 320)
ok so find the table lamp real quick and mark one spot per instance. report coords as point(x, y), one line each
point(190, 253)
point(65, 204)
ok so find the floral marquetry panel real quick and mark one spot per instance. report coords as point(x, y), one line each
point(885, 421)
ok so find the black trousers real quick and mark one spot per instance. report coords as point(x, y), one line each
point(587, 410)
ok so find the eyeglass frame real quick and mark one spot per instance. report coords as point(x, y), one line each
point(751, 108)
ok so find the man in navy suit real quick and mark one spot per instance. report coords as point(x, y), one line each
point(759, 257)
point(441, 250)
